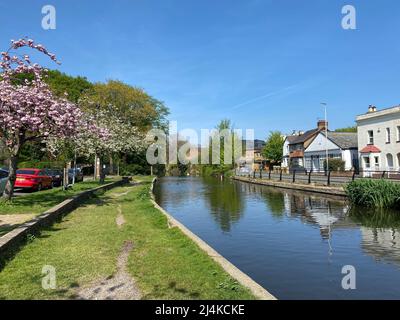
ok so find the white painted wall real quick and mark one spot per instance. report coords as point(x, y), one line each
point(320, 143)
point(285, 160)
point(378, 122)
point(318, 149)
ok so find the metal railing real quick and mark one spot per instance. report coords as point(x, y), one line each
point(327, 178)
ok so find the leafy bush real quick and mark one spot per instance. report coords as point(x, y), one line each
point(133, 169)
point(335, 165)
point(374, 193)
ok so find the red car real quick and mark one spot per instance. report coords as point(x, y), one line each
point(33, 179)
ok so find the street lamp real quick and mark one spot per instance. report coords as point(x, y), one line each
point(326, 137)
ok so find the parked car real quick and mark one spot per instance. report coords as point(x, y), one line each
point(33, 179)
point(78, 175)
point(56, 176)
point(3, 180)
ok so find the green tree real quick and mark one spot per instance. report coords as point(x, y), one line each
point(61, 84)
point(273, 150)
point(347, 129)
point(130, 104)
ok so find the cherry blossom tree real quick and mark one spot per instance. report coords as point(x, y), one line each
point(28, 109)
point(114, 136)
point(101, 134)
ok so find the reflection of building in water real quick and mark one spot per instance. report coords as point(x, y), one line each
point(327, 214)
point(382, 244)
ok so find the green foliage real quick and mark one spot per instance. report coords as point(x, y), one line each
point(41, 164)
point(33, 151)
point(222, 168)
point(335, 164)
point(130, 104)
point(133, 169)
point(374, 193)
point(273, 149)
point(61, 83)
point(347, 129)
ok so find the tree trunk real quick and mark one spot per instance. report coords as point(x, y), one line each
point(12, 176)
point(111, 165)
point(102, 172)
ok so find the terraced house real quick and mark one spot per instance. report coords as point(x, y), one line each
point(379, 139)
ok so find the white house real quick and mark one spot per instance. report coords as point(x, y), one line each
point(379, 139)
point(286, 149)
point(340, 145)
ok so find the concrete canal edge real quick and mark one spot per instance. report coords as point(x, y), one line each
point(233, 271)
point(336, 191)
point(10, 242)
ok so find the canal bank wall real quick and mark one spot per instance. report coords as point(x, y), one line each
point(336, 191)
point(256, 289)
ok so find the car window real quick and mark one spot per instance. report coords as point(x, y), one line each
point(31, 172)
point(3, 174)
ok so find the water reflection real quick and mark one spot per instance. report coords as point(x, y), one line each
point(225, 202)
point(380, 233)
point(288, 239)
point(325, 212)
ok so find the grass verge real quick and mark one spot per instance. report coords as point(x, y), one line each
point(85, 246)
point(27, 205)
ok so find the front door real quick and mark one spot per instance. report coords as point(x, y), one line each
point(315, 163)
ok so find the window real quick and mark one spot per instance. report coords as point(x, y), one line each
point(367, 163)
point(387, 135)
point(370, 137)
point(398, 133)
point(376, 162)
point(389, 160)
point(3, 174)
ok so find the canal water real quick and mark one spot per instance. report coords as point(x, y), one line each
point(295, 244)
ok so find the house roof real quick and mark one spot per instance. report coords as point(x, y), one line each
point(258, 144)
point(370, 149)
point(291, 138)
point(344, 140)
point(304, 137)
point(378, 113)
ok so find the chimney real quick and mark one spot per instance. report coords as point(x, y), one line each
point(322, 125)
point(371, 108)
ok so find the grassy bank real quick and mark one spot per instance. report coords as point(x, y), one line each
point(38, 202)
point(26, 206)
point(84, 249)
point(374, 193)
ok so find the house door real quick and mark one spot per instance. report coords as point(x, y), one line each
point(315, 163)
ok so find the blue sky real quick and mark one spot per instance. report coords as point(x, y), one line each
point(263, 64)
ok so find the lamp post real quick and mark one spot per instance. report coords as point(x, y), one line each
point(326, 137)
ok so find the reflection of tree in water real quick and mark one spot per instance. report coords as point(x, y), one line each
point(375, 218)
point(275, 202)
point(225, 201)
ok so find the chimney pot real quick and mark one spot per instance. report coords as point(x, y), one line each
point(322, 124)
point(371, 108)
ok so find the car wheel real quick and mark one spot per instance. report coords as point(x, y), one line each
point(39, 187)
